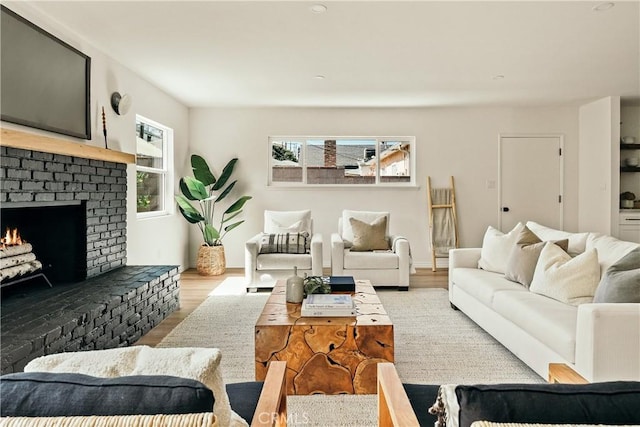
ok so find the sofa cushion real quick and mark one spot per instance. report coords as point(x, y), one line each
point(200, 364)
point(288, 243)
point(610, 249)
point(524, 255)
point(370, 260)
point(549, 321)
point(569, 280)
point(369, 236)
point(279, 222)
point(481, 284)
point(283, 261)
point(607, 403)
point(496, 247)
point(45, 394)
point(577, 241)
point(621, 282)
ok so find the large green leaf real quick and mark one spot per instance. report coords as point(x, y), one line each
point(237, 205)
point(210, 234)
point(226, 191)
point(190, 213)
point(230, 217)
point(195, 188)
point(226, 173)
point(185, 190)
point(201, 170)
point(232, 226)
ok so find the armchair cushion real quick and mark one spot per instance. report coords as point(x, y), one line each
point(370, 260)
point(288, 243)
point(45, 394)
point(284, 262)
point(369, 237)
point(279, 222)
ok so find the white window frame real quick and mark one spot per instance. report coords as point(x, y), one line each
point(166, 171)
point(379, 139)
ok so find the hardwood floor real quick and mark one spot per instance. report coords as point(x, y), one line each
point(195, 288)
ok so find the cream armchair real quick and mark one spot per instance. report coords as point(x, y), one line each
point(263, 269)
point(386, 265)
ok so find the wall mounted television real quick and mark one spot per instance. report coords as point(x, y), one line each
point(45, 82)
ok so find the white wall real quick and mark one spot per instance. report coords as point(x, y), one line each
point(599, 157)
point(462, 142)
point(153, 241)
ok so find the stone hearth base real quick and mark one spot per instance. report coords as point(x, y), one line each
point(112, 310)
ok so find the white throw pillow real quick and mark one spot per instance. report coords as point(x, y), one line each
point(282, 222)
point(569, 280)
point(496, 247)
point(577, 241)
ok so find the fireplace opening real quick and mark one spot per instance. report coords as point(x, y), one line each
point(57, 235)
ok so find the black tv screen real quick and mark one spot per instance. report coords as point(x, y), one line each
point(45, 82)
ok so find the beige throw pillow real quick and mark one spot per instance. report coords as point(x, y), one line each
point(569, 280)
point(524, 255)
point(369, 237)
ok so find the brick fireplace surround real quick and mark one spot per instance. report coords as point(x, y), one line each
point(115, 304)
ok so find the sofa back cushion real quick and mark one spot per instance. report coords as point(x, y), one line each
point(46, 394)
point(577, 241)
point(610, 249)
point(344, 224)
point(282, 222)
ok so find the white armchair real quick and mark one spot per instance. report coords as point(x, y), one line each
point(263, 269)
point(382, 267)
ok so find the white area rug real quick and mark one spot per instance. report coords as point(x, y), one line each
point(433, 345)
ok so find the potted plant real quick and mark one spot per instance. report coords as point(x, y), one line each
point(207, 191)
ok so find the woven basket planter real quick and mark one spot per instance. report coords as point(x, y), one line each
point(211, 260)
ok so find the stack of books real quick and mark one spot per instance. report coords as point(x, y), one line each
point(328, 305)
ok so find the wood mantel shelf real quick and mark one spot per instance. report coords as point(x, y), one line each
point(29, 141)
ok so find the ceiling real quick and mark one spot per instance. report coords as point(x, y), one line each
point(371, 53)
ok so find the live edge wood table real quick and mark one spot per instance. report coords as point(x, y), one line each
point(330, 355)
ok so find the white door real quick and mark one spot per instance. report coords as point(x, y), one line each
point(530, 180)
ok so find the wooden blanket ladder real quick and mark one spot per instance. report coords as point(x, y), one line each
point(445, 203)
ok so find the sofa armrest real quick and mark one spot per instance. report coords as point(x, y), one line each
point(316, 254)
point(464, 258)
point(337, 255)
point(608, 342)
point(251, 248)
point(394, 408)
point(272, 404)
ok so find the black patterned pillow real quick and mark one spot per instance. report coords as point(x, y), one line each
point(288, 243)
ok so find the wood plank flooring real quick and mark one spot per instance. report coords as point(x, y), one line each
point(194, 289)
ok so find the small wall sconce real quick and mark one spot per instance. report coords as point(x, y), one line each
point(120, 103)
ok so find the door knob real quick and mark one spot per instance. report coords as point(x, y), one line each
point(505, 209)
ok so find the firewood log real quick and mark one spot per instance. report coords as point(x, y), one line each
point(19, 270)
point(17, 260)
point(15, 250)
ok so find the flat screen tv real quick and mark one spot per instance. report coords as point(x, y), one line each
point(45, 82)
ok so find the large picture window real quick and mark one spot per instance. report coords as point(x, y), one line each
point(340, 161)
point(154, 183)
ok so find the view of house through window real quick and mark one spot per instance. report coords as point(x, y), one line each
point(341, 160)
point(153, 150)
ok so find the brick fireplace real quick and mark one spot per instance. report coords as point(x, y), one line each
point(72, 209)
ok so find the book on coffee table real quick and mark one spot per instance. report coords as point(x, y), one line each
point(328, 305)
point(340, 283)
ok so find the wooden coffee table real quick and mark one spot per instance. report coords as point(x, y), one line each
point(330, 355)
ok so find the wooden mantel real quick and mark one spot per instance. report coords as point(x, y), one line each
point(29, 141)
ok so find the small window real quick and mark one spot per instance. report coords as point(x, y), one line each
point(340, 161)
point(154, 180)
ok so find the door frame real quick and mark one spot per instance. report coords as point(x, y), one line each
point(531, 135)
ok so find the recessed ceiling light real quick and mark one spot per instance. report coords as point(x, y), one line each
point(318, 8)
point(601, 7)
point(498, 77)
point(319, 77)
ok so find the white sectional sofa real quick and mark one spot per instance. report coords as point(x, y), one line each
point(601, 341)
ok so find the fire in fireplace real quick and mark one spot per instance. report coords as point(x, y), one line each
point(17, 258)
point(53, 242)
